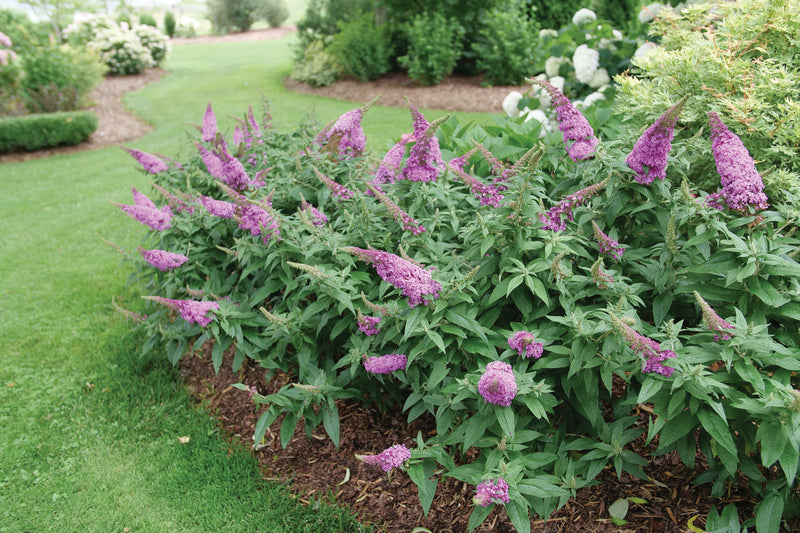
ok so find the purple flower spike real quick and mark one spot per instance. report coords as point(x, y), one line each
point(424, 161)
point(258, 221)
point(525, 344)
point(497, 385)
point(385, 364)
point(211, 161)
point(162, 259)
point(317, 217)
point(146, 212)
point(712, 320)
point(648, 159)
point(552, 219)
point(415, 282)
point(607, 245)
point(389, 167)
point(190, 310)
point(209, 130)
point(142, 200)
point(648, 349)
point(338, 190)
point(486, 194)
point(400, 216)
point(577, 132)
point(149, 162)
point(488, 492)
point(742, 187)
point(389, 458)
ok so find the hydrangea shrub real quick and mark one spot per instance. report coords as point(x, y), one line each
point(542, 349)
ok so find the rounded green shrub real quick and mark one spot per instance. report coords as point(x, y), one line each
point(505, 45)
point(169, 24)
point(362, 48)
point(435, 44)
point(146, 19)
point(274, 12)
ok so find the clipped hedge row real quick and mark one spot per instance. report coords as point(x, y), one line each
point(45, 130)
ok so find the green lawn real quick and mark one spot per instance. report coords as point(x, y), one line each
point(89, 429)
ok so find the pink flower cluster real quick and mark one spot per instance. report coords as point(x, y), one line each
point(389, 458)
point(369, 325)
point(497, 385)
point(415, 282)
point(317, 217)
point(218, 208)
point(578, 134)
point(646, 348)
point(489, 491)
point(552, 219)
point(190, 310)
point(526, 345)
point(712, 320)
point(163, 260)
point(486, 194)
point(208, 131)
point(648, 159)
point(742, 187)
point(346, 135)
point(400, 216)
point(145, 211)
point(385, 364)
point(389, 167)
point(338, 190)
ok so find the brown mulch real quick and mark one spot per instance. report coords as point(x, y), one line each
point(390, 502)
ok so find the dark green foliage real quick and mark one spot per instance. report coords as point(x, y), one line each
point(169, 23)
point(147, 19)
point(435, 44)
point(34, 132)
point(274, 12)
point(363, 49)
point(316, 66)
point(228, 16)
point(58, 78)
point(505, 45)
point(622, 13)
point(553, 15)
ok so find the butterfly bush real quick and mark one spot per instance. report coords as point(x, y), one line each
point(448, 325)
point(162, 259)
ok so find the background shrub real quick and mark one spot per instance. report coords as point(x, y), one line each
point(169, 24)
point(274, 12)
point(38, 131)
point(435, 44)
point(362, 48)
point(84, 28)
point(23, 32)
point(505, 45)
point(187, 27)
point(228, 16)
point(317, 67)
point(122, 51)
point(155, 41)
point(554, 15)
point(59, 78)
point(146, 19)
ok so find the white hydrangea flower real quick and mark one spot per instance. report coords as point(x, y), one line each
point(592, 99)
point(547, 33)
point(649, 12)
point(510, 103)
point(558, 82)
point(541, 117)
point(583, 15)
point(586, 60)
point(599, 78)
point(553, 64)
point(617, 34)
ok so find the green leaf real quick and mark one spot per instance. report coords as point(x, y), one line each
point(619, 509)
point(518, 514)
point(330, 421)
point(426, 485)
point(649, 388)
point(537, 287)
point(772, 436)
point(505, 415)
point(487, 243)
point(437, 374)
point(515, 282)
point(661, 305)
point(287, 428)
point(437, 340)
point(478, 515)
point(718, 429)
point(766, 292)
point(789, 462)
point(749, 373)
point(476, 427)
point(264, 421)
point(769, 514)
point(413, 319)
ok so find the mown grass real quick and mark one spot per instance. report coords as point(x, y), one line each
point(89, 428)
